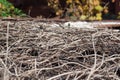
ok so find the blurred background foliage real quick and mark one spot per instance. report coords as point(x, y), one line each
point(8, 10)
point(80, 9)
point(66, 9)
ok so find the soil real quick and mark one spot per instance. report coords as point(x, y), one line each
point(33, 50)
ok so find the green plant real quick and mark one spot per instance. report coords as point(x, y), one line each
point(8, 10)
point(78, 9)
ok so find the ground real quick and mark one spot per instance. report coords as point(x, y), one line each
point(34, 50)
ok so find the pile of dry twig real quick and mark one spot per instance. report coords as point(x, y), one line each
point(37, 51)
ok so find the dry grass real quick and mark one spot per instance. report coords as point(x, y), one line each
point(35, 51)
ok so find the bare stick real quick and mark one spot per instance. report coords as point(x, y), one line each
point(95, 60)
point(67, 73)
point(7, 51)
